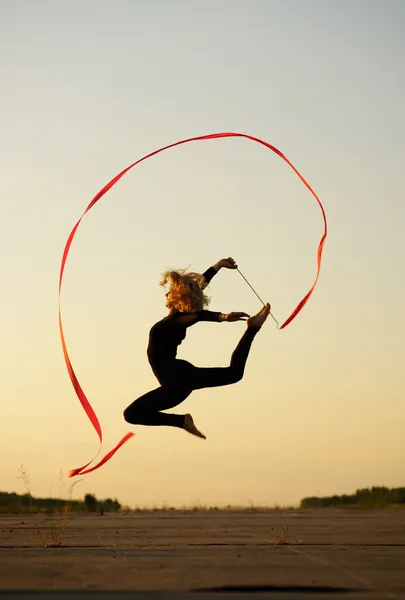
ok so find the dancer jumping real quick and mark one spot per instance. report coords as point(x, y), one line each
point(186, 302)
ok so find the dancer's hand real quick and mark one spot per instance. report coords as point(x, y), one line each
point(236, 316)
point(226, 263)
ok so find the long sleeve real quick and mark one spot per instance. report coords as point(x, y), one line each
point(188, 319)
point(208, 275)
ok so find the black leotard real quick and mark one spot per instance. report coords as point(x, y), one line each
point(178, 378)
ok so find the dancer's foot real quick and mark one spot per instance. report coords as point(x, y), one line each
point(191, 428)
point(258, 320)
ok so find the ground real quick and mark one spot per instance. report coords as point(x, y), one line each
point(292, 554)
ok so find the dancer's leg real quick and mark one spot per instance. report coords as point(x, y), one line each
point(146, 409)
point(201, 377)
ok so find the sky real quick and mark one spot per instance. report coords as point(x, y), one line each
point(89, 88)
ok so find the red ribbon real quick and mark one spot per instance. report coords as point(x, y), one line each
point(79, 391)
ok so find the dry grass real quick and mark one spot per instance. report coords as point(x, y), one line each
point(284, 538)
point(57, 525)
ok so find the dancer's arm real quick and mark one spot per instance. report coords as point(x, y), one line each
point(189, 319)
point(224, 263)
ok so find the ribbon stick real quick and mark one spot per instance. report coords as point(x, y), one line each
point(254, 291)
point(76, 385)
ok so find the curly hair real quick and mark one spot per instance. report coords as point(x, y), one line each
point(186, 290)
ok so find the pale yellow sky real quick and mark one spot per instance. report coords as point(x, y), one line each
point(321, 407)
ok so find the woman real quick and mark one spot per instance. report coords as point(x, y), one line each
point(186, 302)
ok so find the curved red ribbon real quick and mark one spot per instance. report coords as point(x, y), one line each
point(79, 391)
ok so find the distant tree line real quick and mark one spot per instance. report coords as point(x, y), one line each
point(375, 497)
point(12, 502)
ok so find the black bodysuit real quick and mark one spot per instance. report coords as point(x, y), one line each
point(178, 378)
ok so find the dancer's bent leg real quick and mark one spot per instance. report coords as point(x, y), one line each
point(146, 409)
point(201, 377)
point(205, 377)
